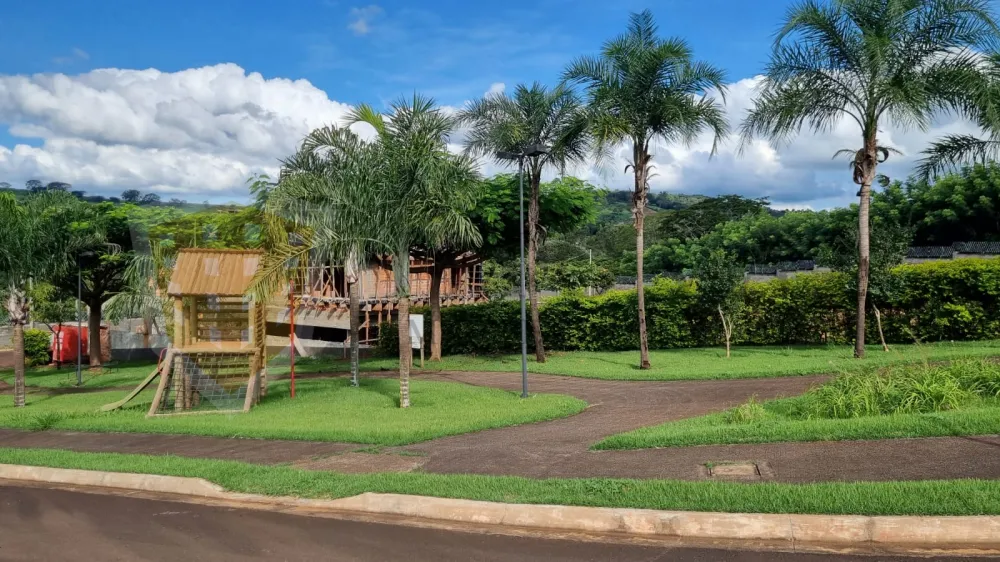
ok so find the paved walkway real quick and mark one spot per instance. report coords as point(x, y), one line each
point(560, 448)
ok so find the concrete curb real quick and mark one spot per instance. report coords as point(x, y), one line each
point(855, 533)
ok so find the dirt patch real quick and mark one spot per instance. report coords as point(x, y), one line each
point(362, 463)
point(6, 358)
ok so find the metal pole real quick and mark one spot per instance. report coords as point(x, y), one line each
point(79, 324)
point(524, 309)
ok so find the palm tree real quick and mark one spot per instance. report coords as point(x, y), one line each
point(873, 62)
point(330, 197)
point(430, 193)
point(952, 151)
point(534, 115)
point(643, 89)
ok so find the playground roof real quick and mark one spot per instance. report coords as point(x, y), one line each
point(213, 272)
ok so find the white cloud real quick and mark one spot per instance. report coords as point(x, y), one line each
point(199, 133)
point(76, 55)
point(361, 18)
point(201, 130)
point(496, 88)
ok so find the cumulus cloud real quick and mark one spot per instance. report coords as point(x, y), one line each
point(361, 18)
point(201, 130)
point(199, 133)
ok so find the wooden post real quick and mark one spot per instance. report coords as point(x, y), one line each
point(179, 322)
point(191, 333)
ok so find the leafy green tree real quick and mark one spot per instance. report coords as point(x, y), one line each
point(874, 63)
point(101, 261)
point(643, 89)
point(430, 192)
point(702, 217)
point(131, 195)
point(30, 248)
point(567, 275)
point(720, 277)
point(533, 116)
point(959, 207)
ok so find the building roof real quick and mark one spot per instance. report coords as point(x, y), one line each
point(977, 247)
point(928, 252)
point(213, 272)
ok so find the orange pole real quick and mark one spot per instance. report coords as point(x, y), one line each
point(291, 334)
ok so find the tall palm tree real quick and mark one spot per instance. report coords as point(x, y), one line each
point(330, 206)
point(643, 89)
point(873, 63)
point(534, 115)
point(430, 193)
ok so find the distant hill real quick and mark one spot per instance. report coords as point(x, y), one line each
point(617, 205)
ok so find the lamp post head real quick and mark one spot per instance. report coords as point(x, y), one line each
point(504, 155)
point(536, 150)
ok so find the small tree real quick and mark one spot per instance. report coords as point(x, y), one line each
point(719, 281)
point(131, 195)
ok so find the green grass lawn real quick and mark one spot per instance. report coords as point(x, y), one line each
point(323, 410)
point(706, 363)
point(668, 364)
point(927, 497)
point(962, 398)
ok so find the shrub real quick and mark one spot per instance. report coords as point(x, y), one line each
point(952, 300)
point(751, 411)
point(37, 347)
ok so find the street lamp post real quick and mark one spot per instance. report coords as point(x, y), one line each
point(527, 152)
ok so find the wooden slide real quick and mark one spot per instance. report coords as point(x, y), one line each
point(161, 364)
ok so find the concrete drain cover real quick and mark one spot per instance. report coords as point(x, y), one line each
point(736, 471)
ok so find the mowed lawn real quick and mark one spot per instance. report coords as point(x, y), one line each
point(927, 497)
point(668, 364)
point(706, 363)
point(323, 410)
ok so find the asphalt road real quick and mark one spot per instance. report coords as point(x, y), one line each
point(42, 524)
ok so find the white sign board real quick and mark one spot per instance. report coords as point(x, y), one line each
point(417, 331)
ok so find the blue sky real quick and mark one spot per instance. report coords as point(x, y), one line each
point(188, 98)
point(450, 49)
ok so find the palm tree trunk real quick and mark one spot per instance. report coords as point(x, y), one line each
point(94, 333)
point(533, 217)
point(354, 309)
point(18, 364)
point(639, 211)
point(437, 272)
point(864, 258)
point(405, 351)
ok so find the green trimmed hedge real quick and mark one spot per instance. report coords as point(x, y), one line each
point(946, 300)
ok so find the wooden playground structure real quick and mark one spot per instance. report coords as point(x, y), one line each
point(218, 358)
point(217, 362)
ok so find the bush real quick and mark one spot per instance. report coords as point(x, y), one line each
point(37, 347)
point(949, 300)
point(912, 389)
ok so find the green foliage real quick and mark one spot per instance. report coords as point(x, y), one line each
point(565, 205)
point(567, 275)
point(952, 300)
point(751, 411)
point(902, 400)
point(37, 347)
point(499, 279)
